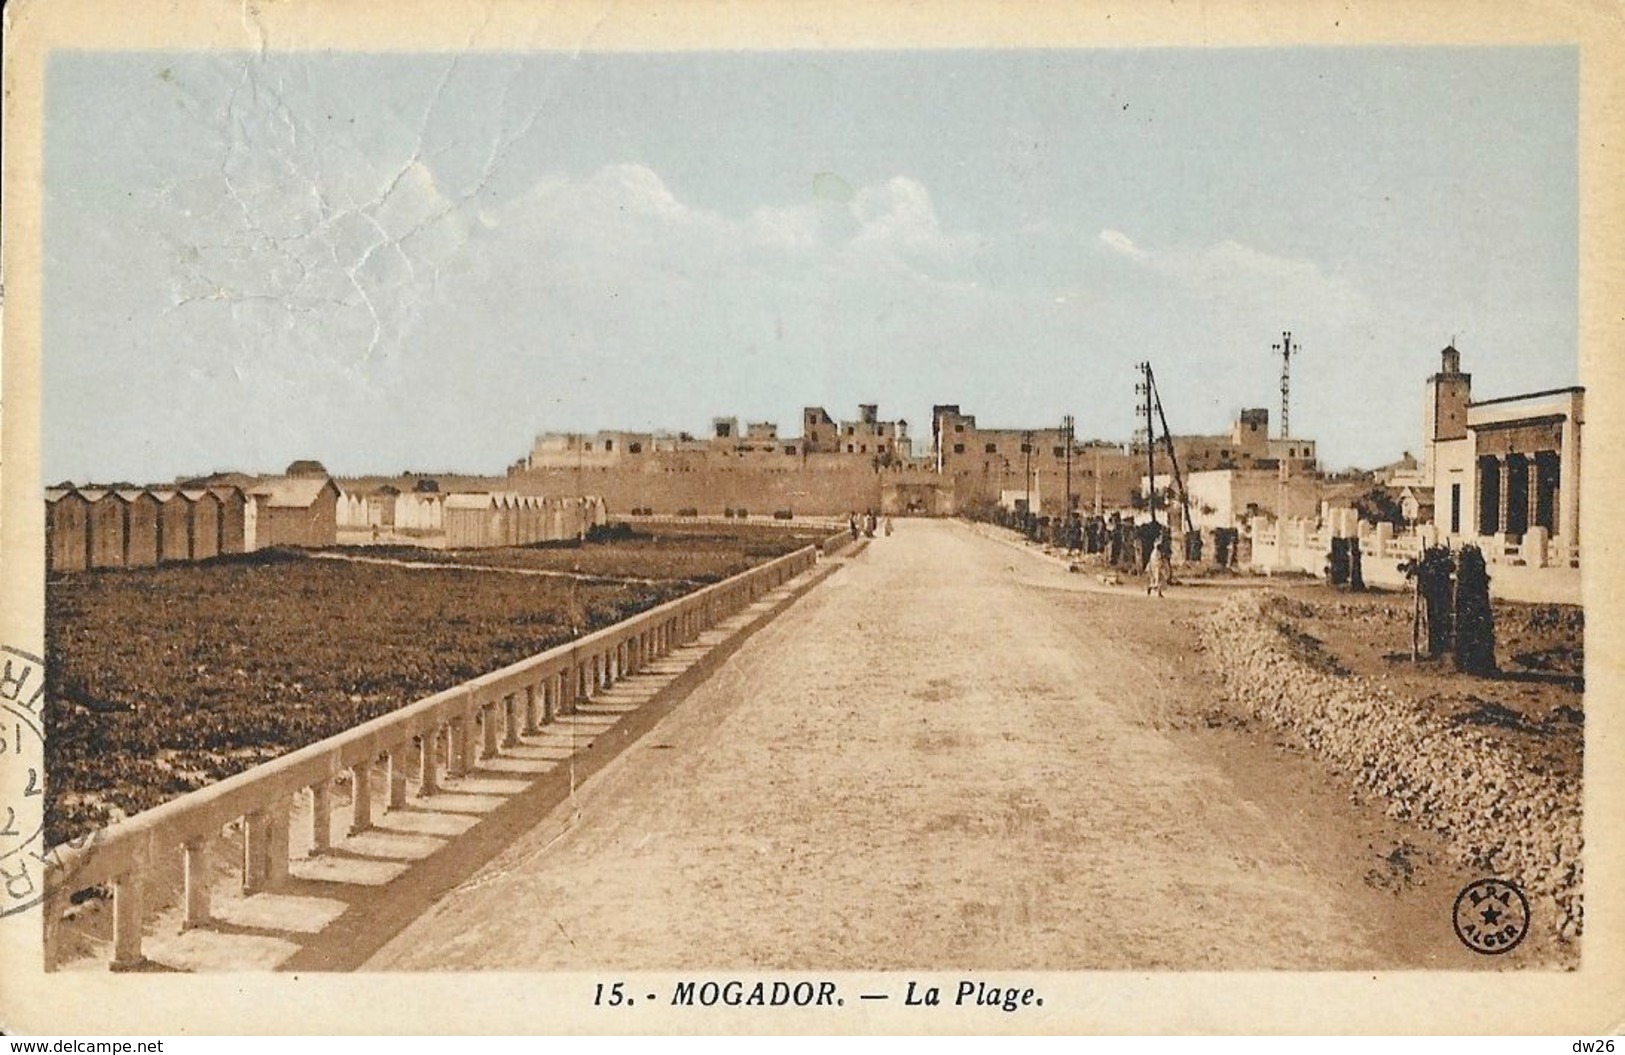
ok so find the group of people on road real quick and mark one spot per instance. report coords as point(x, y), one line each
point(866, 525)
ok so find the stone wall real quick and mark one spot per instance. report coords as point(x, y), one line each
point(710, 491)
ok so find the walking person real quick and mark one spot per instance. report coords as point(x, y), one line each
point(1160, 568)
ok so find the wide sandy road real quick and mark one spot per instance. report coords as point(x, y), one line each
point(949, 754)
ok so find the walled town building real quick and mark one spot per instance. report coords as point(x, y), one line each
point(868, 462)
point(1232, 498)
point(1502, 472)
point(833, 468)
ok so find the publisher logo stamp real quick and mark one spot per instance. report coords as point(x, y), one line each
point(1491, 916)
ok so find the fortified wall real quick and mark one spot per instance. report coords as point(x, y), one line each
point(710, 490)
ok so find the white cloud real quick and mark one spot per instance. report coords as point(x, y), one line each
point(1230, 274)
point(1122, 243)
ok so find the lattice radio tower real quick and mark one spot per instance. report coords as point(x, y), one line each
point(1286, 348)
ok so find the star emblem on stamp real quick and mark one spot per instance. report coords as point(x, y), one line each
point(1491, 916)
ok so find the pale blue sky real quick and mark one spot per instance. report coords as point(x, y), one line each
point(393, 261)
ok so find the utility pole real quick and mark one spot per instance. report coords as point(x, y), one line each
point(1099, 507)
point(581, 491)
point(1286, 349)
point(1066, 429)
point(1027, 476)
point(1143, 388)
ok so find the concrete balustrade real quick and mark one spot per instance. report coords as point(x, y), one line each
point(531, 693)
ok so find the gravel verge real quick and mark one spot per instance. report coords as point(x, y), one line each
point(1504, 814)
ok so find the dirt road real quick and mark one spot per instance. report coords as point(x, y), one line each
point(951, 754)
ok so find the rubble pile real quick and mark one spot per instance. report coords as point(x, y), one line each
point(1503, 814)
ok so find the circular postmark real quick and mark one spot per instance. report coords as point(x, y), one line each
point(25, 861)
point(1491, 916)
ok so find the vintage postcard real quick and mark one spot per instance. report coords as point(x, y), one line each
point(992, 518)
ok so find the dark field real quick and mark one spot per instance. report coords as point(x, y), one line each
point(165, 680)
point(698, 553)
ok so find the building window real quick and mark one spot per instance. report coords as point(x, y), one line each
point(634, 448)
point(1455, 509)
point(1060, 452)
point(863, 449)
point(992, 448)
point(959, 428)
point(959, 448)
point(609, 445)
point(849, 430)
point(790, 449)
point(589, 446)
point(1026, 448)
point(849, 448)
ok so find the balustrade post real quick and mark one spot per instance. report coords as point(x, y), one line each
point(488, 730)
point(510, 721)
point(397, 764)
point(550, 695)
point(255, 834)
point(276, 842)
point(197, 882)
point(459, 747)
point(127, 914)
point(531, 725)
point(321, 818)
point(361, 796)
point(428, 781)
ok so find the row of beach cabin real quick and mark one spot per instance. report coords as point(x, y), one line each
point(140, 528)
point(466, 520)
point(88, 528)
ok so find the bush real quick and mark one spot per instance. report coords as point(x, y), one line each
point(616, 532)
point(783, 514)
point(688, 511)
